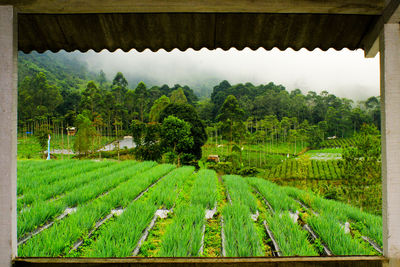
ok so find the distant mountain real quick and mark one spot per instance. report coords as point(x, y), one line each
point(65, 70)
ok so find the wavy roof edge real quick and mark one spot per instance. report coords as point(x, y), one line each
point(168, 31)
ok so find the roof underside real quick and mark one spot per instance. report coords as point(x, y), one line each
point(167, 31)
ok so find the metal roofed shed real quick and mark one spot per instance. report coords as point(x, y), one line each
point(372, 25)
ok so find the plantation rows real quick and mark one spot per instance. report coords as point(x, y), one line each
point(315, 169)
point(340, 142)
point(117, 212)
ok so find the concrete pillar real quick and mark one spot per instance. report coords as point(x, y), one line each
point(8, 135)
point(390, 101)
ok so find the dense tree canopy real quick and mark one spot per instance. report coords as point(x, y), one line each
point(54, 88)
point(188, 113)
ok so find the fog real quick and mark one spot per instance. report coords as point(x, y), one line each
point(345, 73)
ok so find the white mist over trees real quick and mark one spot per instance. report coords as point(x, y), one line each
point(344, 73)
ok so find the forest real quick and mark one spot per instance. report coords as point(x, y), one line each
point(55, 88)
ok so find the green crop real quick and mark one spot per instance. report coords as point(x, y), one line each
point(292, 240)
point(241, 239)
point(34, 178)
point(183, 236)
point(45, 210)
point(60, 237)
point(331, 232)
point(121, 237)
point(76, 178)
point(371, 224)
point(204, 190)
point(240, 192)
point(275, 196)
point(165, 194)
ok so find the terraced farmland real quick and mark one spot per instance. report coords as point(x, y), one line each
point(120, 209)
point(316, 169)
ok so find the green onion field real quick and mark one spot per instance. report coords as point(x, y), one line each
point(88, 208)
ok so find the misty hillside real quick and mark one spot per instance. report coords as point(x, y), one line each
point(71, 71)
point(62, 69)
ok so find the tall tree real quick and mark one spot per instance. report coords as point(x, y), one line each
point(178, 96)
point(141, 98)
point(188, 113)
point(36, 97)
point(102, 78)
point(91, 98)
point(176, 136)
point(230, 112)
point(158, 107)
point(119, 80)
point(85, 137)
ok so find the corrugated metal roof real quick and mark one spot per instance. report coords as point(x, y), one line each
point(167, 31)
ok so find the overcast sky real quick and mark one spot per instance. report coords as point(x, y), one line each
point(344, 73)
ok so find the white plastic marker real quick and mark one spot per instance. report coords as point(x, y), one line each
point(48, 148)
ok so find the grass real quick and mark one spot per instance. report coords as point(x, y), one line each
point(37, 177)
point(151, 247)
point(121, 237)
point(339, 142)
point(135, 219)
point(314, 169)
point(212, 238)
point(267, 147)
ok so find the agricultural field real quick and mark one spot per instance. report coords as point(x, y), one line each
point(338, 143)
point(311, 169)
point(86, 208)
point(29, 147)
point(325, 154)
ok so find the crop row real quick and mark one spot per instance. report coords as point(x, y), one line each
point(315, 169)
point(239, 192)
point(28, 180)
point(46, 210)
point(292, 240)
point(241, 238)
point(26, 166)
point(369, 225)
point(60, 237)
point(183, 237)
point(327, 224)
point(339, 142)
point(97, 193)
point(119, 239)
point(55, 189)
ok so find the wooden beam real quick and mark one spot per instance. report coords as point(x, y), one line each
point(391, 14)
point(359, 7)
point(359, 261)
point(8, 135)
